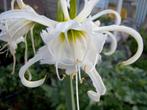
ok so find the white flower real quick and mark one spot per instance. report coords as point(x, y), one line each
point(77, 44)
point(16, 23)
point(70, 45)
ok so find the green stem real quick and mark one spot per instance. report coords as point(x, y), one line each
point(60, 15)
point(73, 9)
point(69, 93)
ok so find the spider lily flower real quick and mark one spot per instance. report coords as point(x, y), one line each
point(71, 46)
point(16, 23)
point(77, 44)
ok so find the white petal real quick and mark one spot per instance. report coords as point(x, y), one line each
point(133, 33)
point(32, 84)
point(89, 5)
point(94, 96)
point(70, 70)
point(108, 11)
point(65, 26)
point(21, 39)
point(46, 55)
point(84, 26)
point(28, 15)
point(49, 35)
point(98, 84)
point(98, 41)
point(24, 68)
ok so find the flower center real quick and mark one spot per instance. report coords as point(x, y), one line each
point(72, 35)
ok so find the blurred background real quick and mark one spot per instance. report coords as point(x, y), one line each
point(126, 86)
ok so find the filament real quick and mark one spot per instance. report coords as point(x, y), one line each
point(79, 73)
point(57, 72)
point(14, 64)
point(26, 49)
point(32, 40)
point(26, 57)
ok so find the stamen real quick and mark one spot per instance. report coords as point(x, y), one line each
point(32, 40)
point(77, 93)
point(26, 49)
point(26, 57)
point(57, 72)
point(79, 73)
point(14, 64)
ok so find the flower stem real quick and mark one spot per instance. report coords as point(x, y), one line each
point(69, 93)
point(73, 9)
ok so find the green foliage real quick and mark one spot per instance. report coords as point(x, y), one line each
point(126, 87)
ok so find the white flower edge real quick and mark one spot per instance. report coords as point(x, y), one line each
point(133, 33)
point(88, 7)
point(108, 11)
point(28, 14)
point(98, 84)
